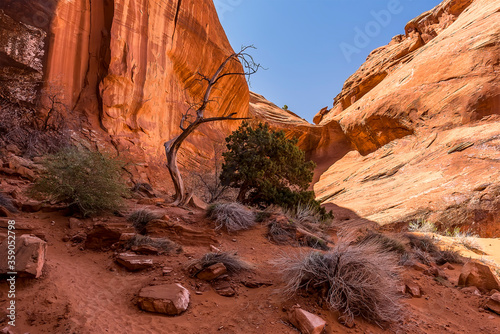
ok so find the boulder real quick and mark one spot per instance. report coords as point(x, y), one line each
point(133, 262)
point(493, 303)
point(30, 255)
point(478, 275)
point(306, 322)
point(170, 299)
point(103, 235)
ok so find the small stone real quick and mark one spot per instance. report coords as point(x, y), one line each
point(214, 249)
point(79, 237)
point(170, 299)
point(212, 272)
point(134, 262)
point(224, 288)
point(234, 240)
point(166, 271)
point(420, 267)
point(493, 303)
point(74, 223)
point(306, 322)
point(471, 290)
point(413, 289)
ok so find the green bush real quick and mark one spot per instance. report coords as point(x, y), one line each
point(267, 168)
point(89, 182)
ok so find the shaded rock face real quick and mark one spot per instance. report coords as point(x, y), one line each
point(22, 48)
point(128, 66)
point(421, 117)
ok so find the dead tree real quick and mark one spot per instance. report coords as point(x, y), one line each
point(197, 111)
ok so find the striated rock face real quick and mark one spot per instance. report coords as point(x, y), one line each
point(423, 117)
point(127, 66)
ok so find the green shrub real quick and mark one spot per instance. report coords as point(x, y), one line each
point(268, 168)
point(89, 182)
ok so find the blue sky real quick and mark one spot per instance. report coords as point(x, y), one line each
point(310, 47)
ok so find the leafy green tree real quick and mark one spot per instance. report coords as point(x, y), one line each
point(267, 167)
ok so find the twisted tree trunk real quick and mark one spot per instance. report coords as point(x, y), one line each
point(172, 146)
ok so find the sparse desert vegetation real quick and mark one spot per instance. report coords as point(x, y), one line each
point(144, 188)
point(231, 216)
point(140, 218)
point(89, 182)
point(354, 279)
point(232, 262)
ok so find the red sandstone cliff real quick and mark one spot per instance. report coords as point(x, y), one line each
point(422, 114)
point(127, 66)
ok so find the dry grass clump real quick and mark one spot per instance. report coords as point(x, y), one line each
point(140, 218)
point(286, 232)
point(386, 243)
point(231, 216)
point(7, 203)
point(307, 215)
point(426, 251)
point(357, 280)
point(448, 255)
point(422, 226)
point(423, 243)
point(232, 262)
point(468, 240)
point(164, 245)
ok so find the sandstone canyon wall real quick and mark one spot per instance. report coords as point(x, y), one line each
point(126, 67)
point(422, 115)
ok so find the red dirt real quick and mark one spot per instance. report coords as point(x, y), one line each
point(83, 291)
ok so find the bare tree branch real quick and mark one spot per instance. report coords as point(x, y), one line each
point(249, 67)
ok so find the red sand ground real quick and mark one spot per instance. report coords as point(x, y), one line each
point(84, 291)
